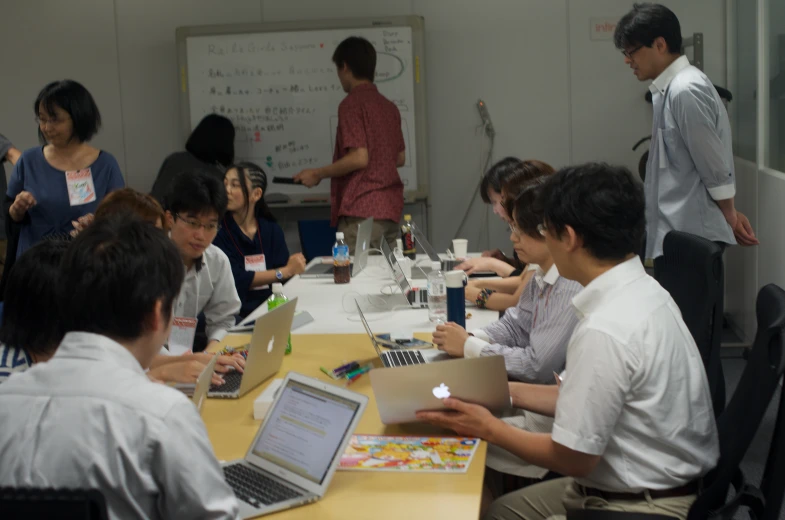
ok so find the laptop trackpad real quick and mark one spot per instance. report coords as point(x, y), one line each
point(433, 354)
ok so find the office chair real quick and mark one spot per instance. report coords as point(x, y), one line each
point(64, 504)
point(737, 427)
point(316, 238)
point(691, 270)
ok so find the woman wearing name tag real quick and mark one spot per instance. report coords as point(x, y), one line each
point(252, 239)
point(55, 184)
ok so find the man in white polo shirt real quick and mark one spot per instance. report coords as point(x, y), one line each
point(634, 427)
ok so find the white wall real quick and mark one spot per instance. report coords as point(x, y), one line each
point(552, 93)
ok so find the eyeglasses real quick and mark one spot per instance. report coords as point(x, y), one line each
point(542, 229)
point(195, 225)
point(51, 122)
point(628, 54)
point(514, 228)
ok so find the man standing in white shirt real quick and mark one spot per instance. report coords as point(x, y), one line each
point(194, 207)
point(690, 180)
point(89, 418)
point(634, 427)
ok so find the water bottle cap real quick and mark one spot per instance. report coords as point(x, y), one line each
point(339, 235)
point(407, 218)
point(436, 266)
point(277, 288)
point(456, 279)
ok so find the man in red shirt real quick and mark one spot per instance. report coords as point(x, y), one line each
point(369, 149)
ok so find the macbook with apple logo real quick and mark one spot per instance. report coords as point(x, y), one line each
point(401, 392)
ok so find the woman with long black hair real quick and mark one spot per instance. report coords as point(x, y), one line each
point(252, 239)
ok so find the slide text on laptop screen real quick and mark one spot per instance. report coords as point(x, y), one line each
point(305, 430)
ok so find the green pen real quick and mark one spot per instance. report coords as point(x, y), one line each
point(327, 372)
point(360, 370)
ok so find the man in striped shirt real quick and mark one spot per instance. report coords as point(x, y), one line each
point(532, 336)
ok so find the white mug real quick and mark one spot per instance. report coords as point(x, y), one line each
point(460, 247)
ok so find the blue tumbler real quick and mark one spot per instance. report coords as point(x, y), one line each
point(456, 297)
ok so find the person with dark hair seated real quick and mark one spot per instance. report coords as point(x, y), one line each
point(503, 182)
point(30, 330)
point(634, 428)
point(57, 183)
point(252, 239)
point(99, 422)
point(194, 207)
point(369, 149)
point(690, 179)
point(176, 369)
point(209, 148)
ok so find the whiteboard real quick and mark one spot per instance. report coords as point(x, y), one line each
point(278, 85)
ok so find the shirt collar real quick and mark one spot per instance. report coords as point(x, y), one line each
point(85, 345)
point(593, 296)
point(363, 87)
point(660, 84)
point(543, 278)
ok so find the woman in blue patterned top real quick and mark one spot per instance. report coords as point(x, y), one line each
point(31, 331)
point(55, 184)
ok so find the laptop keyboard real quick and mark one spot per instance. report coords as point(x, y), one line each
point(402, 358)
point(255, 487)
point(231, 384)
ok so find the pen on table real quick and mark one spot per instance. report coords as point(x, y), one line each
point(329, 374)
point(342, 373)
point(354, 378)
point(346, 367)
point(358, 371)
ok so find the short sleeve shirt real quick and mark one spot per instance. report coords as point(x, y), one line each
point(366, 119)
point(53, 212)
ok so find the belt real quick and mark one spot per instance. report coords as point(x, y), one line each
point(690, 488)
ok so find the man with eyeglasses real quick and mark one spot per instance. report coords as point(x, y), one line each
point(690, 179)
point(195, 203)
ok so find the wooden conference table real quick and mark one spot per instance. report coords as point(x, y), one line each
point(352, 494)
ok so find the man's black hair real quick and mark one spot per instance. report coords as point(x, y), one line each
point(645, 23)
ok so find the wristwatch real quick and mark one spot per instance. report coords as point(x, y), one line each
point(279, 275)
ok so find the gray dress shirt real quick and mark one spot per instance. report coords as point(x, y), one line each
point(690, 159)
point(532, 336)
point(90, 418)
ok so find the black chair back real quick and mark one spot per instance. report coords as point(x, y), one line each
point(740, 421)
point(64, 504)
point(691, 270)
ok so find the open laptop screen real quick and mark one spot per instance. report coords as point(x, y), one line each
point(305, 430)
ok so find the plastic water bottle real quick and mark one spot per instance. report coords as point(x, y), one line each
point(341, 261)
point(274, 301)
point(437, 294)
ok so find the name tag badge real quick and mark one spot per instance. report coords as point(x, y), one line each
point(256, 264)
point(181, 339)
point(81, 189)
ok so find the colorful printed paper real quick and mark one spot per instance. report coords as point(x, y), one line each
point(409, 454)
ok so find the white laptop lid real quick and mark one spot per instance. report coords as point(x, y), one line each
point(364, 231)
point(368, 330)
point(419, 236)
point(268, 346)
point(203, 384)
point(306, 431)
point(400, 276)
point(403, 391)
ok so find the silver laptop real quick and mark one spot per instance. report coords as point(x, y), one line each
point(404, 391)
point(417, 298)
point(447, 265)
point(203, 384)
point(293, 458)
point(265, 353)
point(361, 246)
point(404, 357)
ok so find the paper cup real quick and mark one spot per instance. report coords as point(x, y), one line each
point(460, 246)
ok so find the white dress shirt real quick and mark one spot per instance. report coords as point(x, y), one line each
point(635, 391)
point(209, 287)
point(90, 418)
point(533, 335)
point(690, 158)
